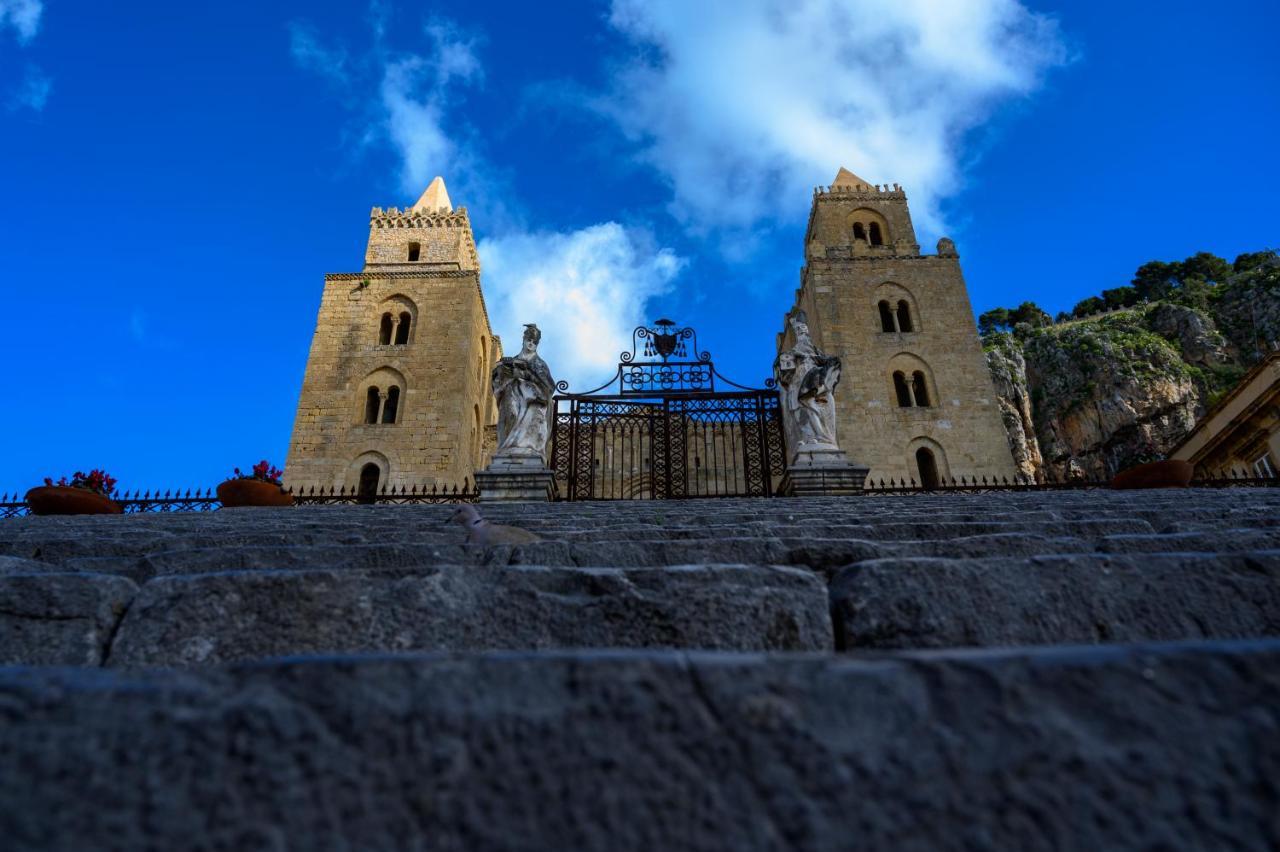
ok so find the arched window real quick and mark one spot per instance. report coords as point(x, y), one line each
point(928, 467)
point(920, 388)
point(886, 316)
point(876, 239)
point(369, 476)
point(393, 403)
point(900, 387)
point(402, 328)
point(476, 431)
point(372, 402)
point(859, 232)
point(384, 330)
point(904, 316)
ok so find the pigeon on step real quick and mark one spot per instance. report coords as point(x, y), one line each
point(486, 534)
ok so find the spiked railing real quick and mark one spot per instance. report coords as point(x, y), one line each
point(138, 502)
point(401, 496)
point(13, 505)
point(974, 484)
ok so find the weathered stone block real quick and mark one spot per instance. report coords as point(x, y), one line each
point(1082, 598)
point(243, 615)
point(1161, 747)
point(60, 619)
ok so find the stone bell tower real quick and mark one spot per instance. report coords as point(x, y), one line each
point(915, 399)
point(396, 391)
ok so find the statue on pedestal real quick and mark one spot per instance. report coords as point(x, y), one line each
point(808, 378)
point(524, 389)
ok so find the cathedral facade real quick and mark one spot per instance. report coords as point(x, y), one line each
point(396, 390)
point(397, 385)
point(915, 400)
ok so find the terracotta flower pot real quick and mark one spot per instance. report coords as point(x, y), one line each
point(235, 493)
point(65, 500)
point(1171, 473)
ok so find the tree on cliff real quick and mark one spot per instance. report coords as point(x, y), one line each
point(1192, 282)
point(1189, 282)
point(1006, 319)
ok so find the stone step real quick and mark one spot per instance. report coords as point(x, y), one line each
point(821, 554)
point(81, 619)
point(143, 560)
point(902, 602)
point(1049, 600)
point(1125, 747)
point(1220, 540)
point(60, 619)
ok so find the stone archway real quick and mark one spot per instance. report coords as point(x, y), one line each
point(927, 467)
point(367, 487)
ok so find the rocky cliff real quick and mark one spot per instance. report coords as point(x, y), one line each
point(1089, 396)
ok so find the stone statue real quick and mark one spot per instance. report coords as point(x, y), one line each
point(808, 379)
point(524, 389)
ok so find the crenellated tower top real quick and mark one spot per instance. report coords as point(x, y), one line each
point(431, 235)
point(853, 216)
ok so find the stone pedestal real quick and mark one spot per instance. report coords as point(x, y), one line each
point(516, 479)
point(822, 473)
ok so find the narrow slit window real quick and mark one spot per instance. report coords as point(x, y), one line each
point(415, 251)
point(402, 328)
point(921, 389)
point(372, 401)
point(391, 405)
point(384, 329)
point(886, 317)
point(901, 389)
point(904, 316)
point(476, 430)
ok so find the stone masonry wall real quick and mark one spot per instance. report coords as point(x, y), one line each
point(841, 286)
point(446, 410)
point(444, 239)
point(443, 372)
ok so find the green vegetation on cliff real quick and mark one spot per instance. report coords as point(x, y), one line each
point(1126, 374)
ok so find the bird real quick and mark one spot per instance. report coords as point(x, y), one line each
point(485, 533)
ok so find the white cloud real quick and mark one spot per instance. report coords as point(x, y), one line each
point(410, 93)
point(743, 107)
point(23, 16)
point(415, 92)
point(585, 289)
point(414, 122)
point(311, 54)
point(33, 92)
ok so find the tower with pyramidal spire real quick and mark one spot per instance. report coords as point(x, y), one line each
point(396, 391)
point(915, 401)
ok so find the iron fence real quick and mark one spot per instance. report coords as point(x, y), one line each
point(974, 485)
point(402, 496)
point(13, 506)
point(667, 425)
point(140, 502)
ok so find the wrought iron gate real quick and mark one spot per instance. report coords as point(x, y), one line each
point(666, 431)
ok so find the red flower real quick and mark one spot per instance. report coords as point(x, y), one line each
point(95, 480)
point(263, 471)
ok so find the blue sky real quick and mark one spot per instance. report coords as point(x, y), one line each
point(176, 180)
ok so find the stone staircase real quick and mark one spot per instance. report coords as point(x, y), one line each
point(1052, 670)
